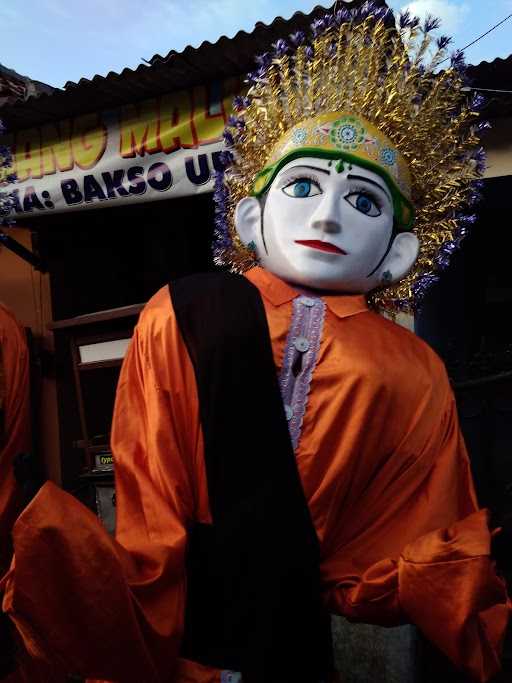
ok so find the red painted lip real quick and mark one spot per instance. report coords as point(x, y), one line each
point(321, 246)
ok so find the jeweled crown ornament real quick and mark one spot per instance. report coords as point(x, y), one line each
point(362, 89)
point(347, 138)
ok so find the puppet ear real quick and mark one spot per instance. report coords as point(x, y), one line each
point(401, 258)
point(248, 221)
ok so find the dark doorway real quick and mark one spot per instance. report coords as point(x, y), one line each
point(113, 257)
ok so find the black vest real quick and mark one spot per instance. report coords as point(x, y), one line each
point(253, 577)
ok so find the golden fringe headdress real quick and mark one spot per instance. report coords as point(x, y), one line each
point(362, 64)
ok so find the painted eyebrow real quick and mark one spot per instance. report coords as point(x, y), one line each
point(372, 182)
point(313, 168)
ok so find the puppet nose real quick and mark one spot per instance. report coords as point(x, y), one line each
point(326, 218)
point(326, 225)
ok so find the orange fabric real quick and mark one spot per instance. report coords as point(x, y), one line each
point(15, 423)
point(383, 468)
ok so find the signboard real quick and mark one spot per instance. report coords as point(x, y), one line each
point(104, 461)
point(164, 147)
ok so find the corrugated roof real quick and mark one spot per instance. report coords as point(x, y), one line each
point(495, 75)
point(225, 58)
point(177, 70)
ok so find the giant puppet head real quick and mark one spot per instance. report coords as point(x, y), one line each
point(352, 164)
point(330, 210)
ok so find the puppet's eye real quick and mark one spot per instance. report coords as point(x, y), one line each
point(364, 203)
point(301, 188)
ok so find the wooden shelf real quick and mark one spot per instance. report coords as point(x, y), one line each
point(96, 342)
point(98, 317)
point(113, 363)
point(98, 475)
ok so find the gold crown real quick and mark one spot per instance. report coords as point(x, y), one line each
point(360, 65)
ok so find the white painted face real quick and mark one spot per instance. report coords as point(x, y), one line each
point(327, 230)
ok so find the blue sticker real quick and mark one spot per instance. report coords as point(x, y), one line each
point(230, 677)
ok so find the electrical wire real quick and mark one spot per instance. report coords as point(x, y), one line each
point(473, 42)
point(467, 88)
point(487, 32)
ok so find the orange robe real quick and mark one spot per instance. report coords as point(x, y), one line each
point(15, 425)
point(14, 420)
point(385, 474)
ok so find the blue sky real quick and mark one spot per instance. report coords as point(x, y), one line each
point(55, 40)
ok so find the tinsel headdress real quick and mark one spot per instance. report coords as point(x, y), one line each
point(362, 63)
point(7, 177)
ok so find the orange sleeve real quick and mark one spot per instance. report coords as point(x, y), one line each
point(14, 422)
point(429, 562)
point(108, 609)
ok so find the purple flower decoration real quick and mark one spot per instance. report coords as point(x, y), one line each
point(264, 59)
point(297, 39)
point(7, 200)
point(256, 76)
point(280, 48)
point(382, 13)
point(317, 27)
point(476, 193)
point(342, 16)
point(480, 158)
point(228, 138)
point(431, 23)
point(442, 261)
point(483, 125)
point(220, 197)
point(464, 224)
point(459, 235)
point(236, 122)
point(366, 9)
point(477, 101)
point(458, 61)
point(466, 221)
point(329, 21)
point(240, 103)
point(443, 42)
point(226, 158)
point(222, 238)
point(404, 19)
point(421, 286)
point(445, 253)
point(309, 52)
point(449, 247)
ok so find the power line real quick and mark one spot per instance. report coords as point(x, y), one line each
point(473, 42)
point(486, 33)
point(480, 37)
point(466, 88)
